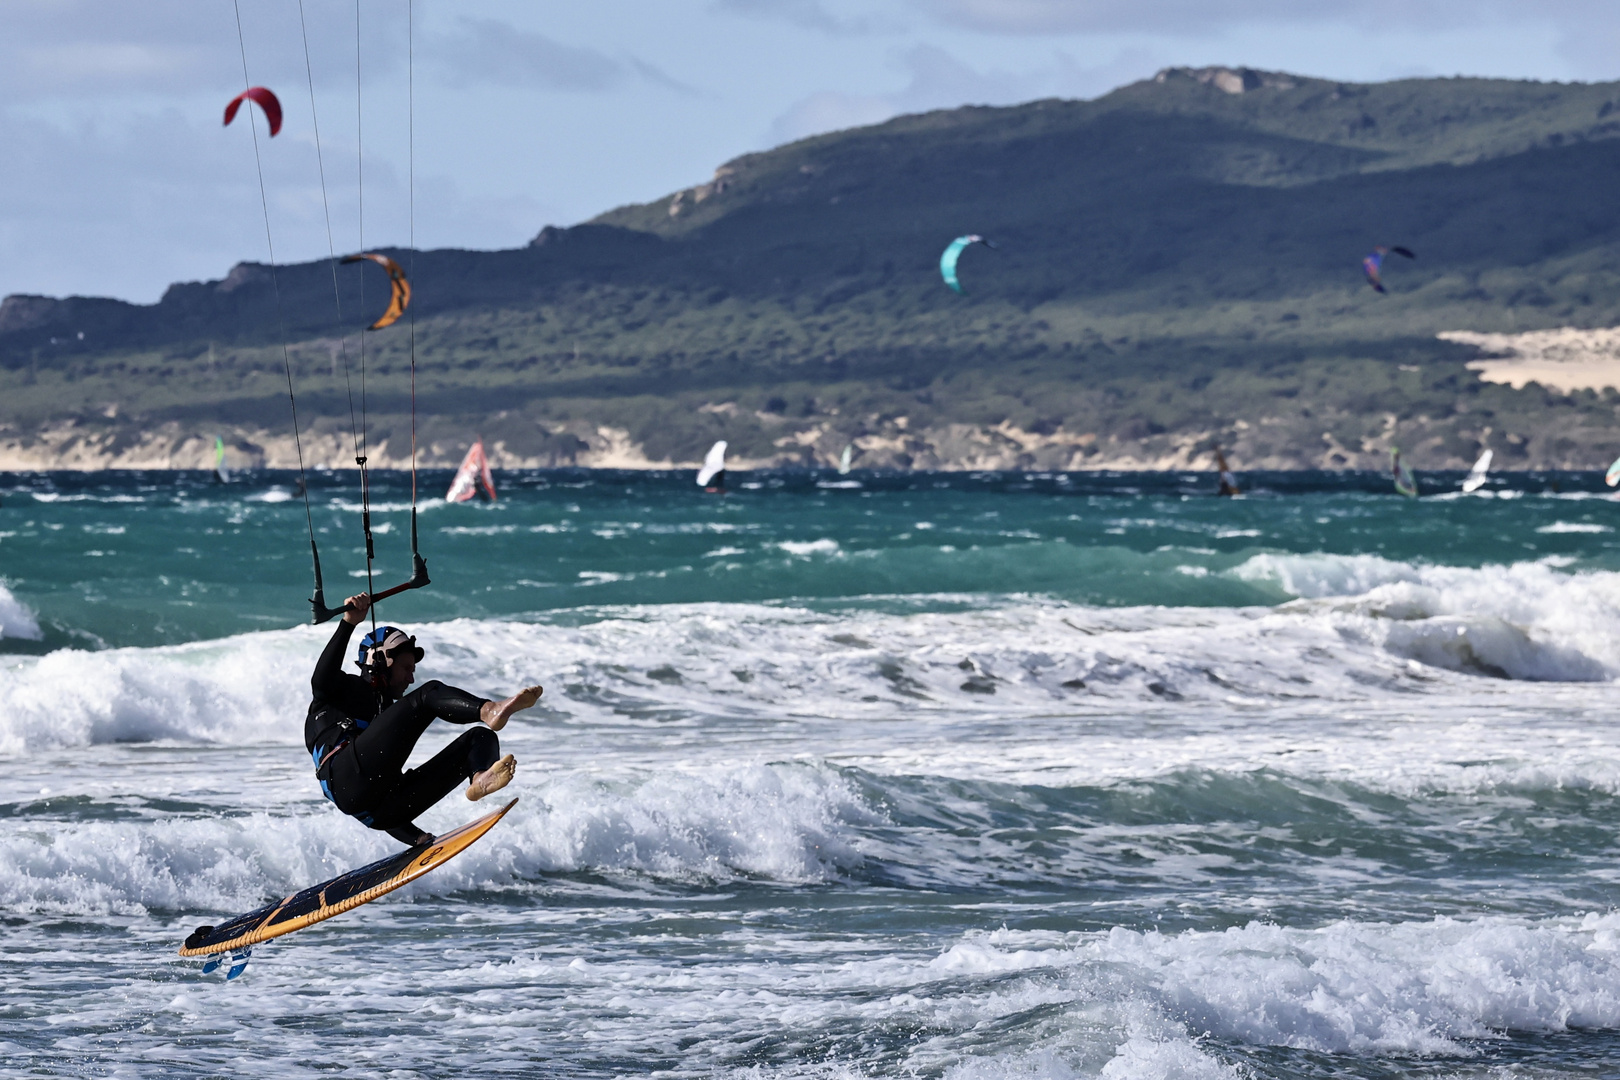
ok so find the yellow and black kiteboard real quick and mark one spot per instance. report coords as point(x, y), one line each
point(320, 902)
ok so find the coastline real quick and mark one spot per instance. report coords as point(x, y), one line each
point(1272, 444)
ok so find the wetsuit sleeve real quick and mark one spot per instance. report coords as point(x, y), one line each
point(328, 681)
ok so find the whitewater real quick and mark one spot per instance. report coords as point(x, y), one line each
point(958, 776)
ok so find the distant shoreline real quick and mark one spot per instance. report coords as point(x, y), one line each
point(820, 471)
point(100, 445)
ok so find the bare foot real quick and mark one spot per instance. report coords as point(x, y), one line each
point(492, 779)
point(495, 714)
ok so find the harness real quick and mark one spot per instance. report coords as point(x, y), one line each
point(324, 756)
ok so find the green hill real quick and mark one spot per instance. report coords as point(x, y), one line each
point(1177, 266)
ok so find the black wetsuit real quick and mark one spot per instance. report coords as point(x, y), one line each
point(360, 739)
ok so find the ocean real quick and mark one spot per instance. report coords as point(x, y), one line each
point(937, 775)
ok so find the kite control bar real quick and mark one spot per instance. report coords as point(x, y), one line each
point(419, 578)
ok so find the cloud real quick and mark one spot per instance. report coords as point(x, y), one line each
point(67, 226)
point(90, 46)
point(1592, 49)
point(938, 79)
point(829, 111)
point(449, 216)
point(495, 52)
point(1186, 18)
point(115, 55)
point(808, 14)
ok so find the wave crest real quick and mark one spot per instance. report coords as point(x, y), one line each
point(1414, 988)
point(16, 618)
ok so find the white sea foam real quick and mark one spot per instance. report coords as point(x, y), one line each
point(787, 823)
point(1350, 987)
point(1574, 527)
point(1524, 621)
point(16, 619)
point(205, 692)
point(1369, 630)
point(783, 822)
point(56, 496)
point(477, 530)
point(824, 546)
point(1119, 1004)
point(423, 506)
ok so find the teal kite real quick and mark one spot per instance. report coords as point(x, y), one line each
point(947, 261)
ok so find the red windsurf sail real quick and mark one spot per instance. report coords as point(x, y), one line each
point(473, 474)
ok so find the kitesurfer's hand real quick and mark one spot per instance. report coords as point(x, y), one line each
point(358, 605)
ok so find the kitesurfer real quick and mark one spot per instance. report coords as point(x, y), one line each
point(361, 731)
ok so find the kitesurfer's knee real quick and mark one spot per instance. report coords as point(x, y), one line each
point(428, 692)
point(483, 749)
point(447, 702)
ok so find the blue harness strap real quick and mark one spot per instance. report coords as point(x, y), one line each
point(321, 754)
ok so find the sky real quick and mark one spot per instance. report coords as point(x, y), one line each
point(474, 123)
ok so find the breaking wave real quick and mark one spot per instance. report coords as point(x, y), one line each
point(1349, 987)
point(16, 620)
point(1360, 628)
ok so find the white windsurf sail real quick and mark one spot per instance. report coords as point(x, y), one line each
point(1476, 475)
point(474, 473)
point(1228, 481)
point(1612, 477)
point(843, 460)
point(714, 465)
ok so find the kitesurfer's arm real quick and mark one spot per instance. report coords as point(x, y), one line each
point(327, 681)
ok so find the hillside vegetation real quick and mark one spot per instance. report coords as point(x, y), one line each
point(1177, 266)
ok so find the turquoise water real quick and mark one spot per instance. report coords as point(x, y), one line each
point(161, 558)
point(940, 775)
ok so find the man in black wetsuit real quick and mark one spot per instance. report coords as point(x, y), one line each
point(361, 731)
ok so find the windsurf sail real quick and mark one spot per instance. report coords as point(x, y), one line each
point(1612, 477)
point(221, 473)
point(1476, 475)
point(342, 893)
point(473, 474)
point(713, 473)
point(1228, 481)
point(953, 252)
point(1405, 482)
point(843, 459)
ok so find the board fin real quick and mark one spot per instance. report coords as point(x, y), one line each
point(239, 963)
